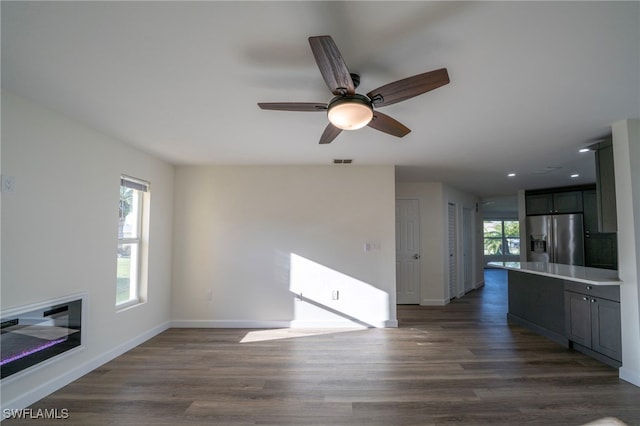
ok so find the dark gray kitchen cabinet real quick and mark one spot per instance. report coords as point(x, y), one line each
point(590, 208)
point(567, 202)
point(606, 328)
point(536, 302)
point(539, 204)
point(606, 189)
point(581, 316)
point(554, 202)
point(592, 320)
point(578, 318)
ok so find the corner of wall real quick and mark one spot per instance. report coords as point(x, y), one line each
point(626, 153)
point(522, 217)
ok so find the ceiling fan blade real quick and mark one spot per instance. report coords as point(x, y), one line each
point(332, 67)
point(389, 125)
point(409, 87)
point(330, 133)
point(293, 106)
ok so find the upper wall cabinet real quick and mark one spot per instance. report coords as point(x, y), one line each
point(606, 189)
point(590, 204)
point(554, 202)
point(567, 202)
point(539, 204)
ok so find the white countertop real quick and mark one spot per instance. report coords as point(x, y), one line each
point(581, 274)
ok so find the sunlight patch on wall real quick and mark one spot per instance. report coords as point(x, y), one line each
point(324, 294)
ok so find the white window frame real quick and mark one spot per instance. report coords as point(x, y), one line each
point(137, 242)
point(504, 240)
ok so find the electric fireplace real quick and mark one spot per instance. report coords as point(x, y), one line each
point(38, 333)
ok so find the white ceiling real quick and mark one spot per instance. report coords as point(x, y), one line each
point(531, 82)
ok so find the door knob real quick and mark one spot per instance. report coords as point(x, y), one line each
point(416, 256)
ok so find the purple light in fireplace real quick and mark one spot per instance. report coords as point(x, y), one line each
point(32, 351)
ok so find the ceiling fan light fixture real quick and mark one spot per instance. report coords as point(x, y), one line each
point(350, 112)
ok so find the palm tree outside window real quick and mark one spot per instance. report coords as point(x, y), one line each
point(501, 237)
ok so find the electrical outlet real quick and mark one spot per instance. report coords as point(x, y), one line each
point(8, 183)
point(335, 295)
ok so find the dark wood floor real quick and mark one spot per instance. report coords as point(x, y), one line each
point(455, 364)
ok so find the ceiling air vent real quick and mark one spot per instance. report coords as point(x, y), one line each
point(548, 169)
point(342, 161)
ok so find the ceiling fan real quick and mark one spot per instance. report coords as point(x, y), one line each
point(349, 110)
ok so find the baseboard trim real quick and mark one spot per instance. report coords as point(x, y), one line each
point(340, 324)
point(280, 324)
point(434, 302)
point(390, 324)
point(630, 376)
point(545, 332)
point(228, 324)
point(596, 355)
point(56, 383)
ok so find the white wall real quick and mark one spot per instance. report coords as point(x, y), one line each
point(502, 207)
point(434, 198)
point(59, 236)
point(626, 158)
point(250, 238)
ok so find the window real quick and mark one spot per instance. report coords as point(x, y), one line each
point(501, 237)
point(134, 195)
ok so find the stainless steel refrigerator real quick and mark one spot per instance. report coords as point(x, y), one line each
point(557, 238)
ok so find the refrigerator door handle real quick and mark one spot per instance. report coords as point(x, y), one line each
point(556, 249)
point(551, 231)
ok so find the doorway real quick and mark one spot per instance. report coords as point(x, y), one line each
point(453, 249)
point(408, 251)
point(467, 249)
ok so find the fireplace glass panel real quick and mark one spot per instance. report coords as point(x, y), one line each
point(29, 338)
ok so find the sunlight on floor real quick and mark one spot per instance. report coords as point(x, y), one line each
point(606, 421)
point(290, 333)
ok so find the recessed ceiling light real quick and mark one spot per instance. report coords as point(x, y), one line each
point(584, 150)
point(511, 175)
point(575, 175)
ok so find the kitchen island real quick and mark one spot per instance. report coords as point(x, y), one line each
point(582, 274)
point(575, 306)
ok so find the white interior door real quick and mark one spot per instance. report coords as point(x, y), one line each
point(453, 248)
point(467, 249)
point(407, 251)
